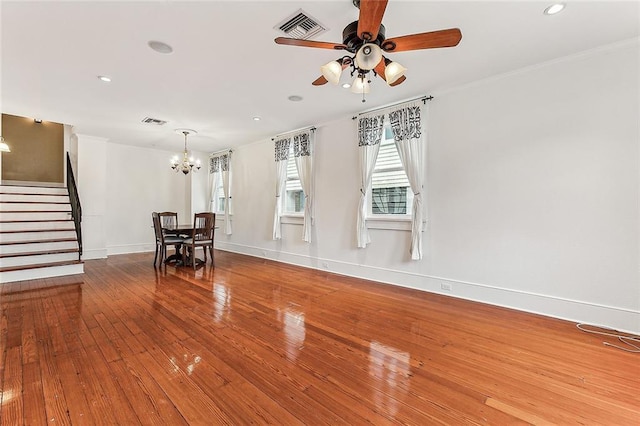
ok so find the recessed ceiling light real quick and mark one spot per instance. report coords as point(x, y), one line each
point(346, 85)
point(105, 78)
point(256, 118)
point(554, 8)
point(295, 98)
point(160, 47)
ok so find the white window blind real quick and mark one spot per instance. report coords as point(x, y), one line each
point(390, 189)
point(294, 195)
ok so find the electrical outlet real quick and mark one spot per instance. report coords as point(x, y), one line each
point(264, 253)
point(325, 265)
point(445, 286)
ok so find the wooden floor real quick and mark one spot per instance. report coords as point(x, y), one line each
point(254, 341)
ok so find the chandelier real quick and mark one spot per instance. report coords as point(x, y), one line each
point(367, 59)
point(187, 164)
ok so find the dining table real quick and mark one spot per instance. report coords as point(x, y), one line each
point(180, 229)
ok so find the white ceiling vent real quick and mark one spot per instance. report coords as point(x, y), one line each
point(149, 120)
point(300, 25)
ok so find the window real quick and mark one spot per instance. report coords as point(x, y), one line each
point(294, 195)
point(390, 190)
point(218, 202)
point(220, 199)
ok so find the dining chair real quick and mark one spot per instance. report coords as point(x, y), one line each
point(201, 236)
point(163, 240)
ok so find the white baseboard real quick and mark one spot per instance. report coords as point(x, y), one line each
point(567, 309)
point(130, 248)
point(94, 254)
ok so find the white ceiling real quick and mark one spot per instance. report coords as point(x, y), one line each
point(226, 68)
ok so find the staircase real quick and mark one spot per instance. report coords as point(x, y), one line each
point(37, 234)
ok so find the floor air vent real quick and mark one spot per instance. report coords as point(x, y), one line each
point(300, 25)
point(149, 120)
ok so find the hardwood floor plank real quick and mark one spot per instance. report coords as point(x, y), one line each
point(193, 404)
point(144, 394)
point(105, 392)
point(239, 399)
point(55, 401)
point(251, 341)
point(82, 408)
point(33, 395)
point(12, 401)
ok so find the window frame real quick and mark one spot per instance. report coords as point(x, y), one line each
point(389, 220)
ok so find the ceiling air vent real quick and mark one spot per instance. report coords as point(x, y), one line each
point(149, 120)
point(300, 25)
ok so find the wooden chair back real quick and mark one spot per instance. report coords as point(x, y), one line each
point(157, 227)
point(168, 219)
point(203, 227)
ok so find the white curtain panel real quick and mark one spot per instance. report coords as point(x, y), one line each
point(281, 157)
point(369, 137)
point(303, 153)
point(225, 169)
point(214, 175)
point(406, 123)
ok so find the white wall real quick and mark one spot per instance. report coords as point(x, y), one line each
point(92, 181)
point(533, 191)
point(120, 186)
point(136, 190)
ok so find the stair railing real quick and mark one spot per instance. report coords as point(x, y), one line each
point(76, 209)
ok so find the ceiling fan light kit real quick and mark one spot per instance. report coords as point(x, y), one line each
point(393, 71)
point(332, 71)
point(365, 39)
point(368, 56)
point(360, 85)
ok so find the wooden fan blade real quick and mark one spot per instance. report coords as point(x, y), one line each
point(380, 69)
point(309, 43)
point(320, 81)
point(398, 81)
point(430, 40)
point(371, 12)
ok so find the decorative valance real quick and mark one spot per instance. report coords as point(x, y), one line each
point(219, 162)
point(301, 145)
point(406, 123)
point(370, 130)
point(282, 149)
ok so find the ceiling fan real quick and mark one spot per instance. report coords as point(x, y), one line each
point(365, 40)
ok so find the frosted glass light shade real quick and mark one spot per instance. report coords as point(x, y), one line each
point(3, 145)
point(360, 85)
point(332, 72)
point(393, 72)
point(368, 56)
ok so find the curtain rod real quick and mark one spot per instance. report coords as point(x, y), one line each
point(221, 152)
point(424, 100)
point(312, 128)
